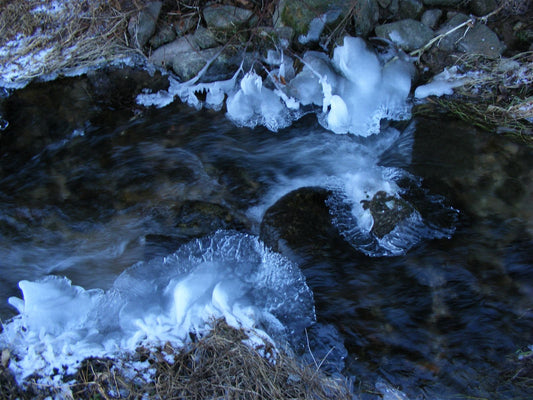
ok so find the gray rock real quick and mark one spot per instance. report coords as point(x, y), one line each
point(410, 9)
point(165, 55)
point(164, 35)
point(203, 38)
point(430, 18)
point(448, 43)
point(142, 27)
point(225, 17)
point(366, 16)
point(186, 25)
point(445, 3)
point(190, 63)
point(482, 40)
point(407, 34)
point(478, 39)
point(482, 7)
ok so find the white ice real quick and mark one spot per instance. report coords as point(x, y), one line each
point(355, 91)
point(442, 84)
point(227, 275)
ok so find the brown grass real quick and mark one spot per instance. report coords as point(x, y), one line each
point(82, 33)
point(500, 96)
point(217, 366)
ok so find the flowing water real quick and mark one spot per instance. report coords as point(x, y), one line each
point(436, 305)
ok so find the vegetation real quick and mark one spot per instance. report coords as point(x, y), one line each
point(219, 365)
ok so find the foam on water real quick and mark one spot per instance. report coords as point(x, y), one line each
point(227, 275)
point(355, 90)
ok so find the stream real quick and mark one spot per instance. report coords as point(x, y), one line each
point(436, 303)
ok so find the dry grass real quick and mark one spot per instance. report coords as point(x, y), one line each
point(498, 97)
point(217, 366)
point(78, 33)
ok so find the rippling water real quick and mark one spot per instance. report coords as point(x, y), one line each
point(88, 188)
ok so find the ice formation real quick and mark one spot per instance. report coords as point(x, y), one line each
point(228, 275)
point(353, 91)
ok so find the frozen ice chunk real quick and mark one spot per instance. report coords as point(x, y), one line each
point(358, 64)
point(255, 105)
point(227, 275)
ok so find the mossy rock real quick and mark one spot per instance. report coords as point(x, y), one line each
point(297, 14)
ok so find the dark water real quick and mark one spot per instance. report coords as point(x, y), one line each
point(90, 184)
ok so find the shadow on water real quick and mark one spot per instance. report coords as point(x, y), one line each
point(89, 187)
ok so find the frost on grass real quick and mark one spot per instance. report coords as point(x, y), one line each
point(39, 38)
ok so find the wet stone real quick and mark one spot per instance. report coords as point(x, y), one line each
point(300, 220)
point(387, 211)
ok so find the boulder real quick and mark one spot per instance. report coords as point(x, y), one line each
point(366, 16)
point(225, 17)
point(142, 27)
point(408, 34)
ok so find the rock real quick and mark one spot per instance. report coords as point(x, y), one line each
point(444, 3)
point(203, 38)
point(164, 35)
point(282, 35)
point(165, 55)
point(482, 40)
point(410, 9)
point(186, 24)
point(407, 34)
point(300, 219)
point(186, 65)
point(225, 17)
point(479, 39)
point(387, 211)
point(298, 14)
point(483, 7)
point(366, 16)
point(142, 27)
point(430, 18)
point(186, 56)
